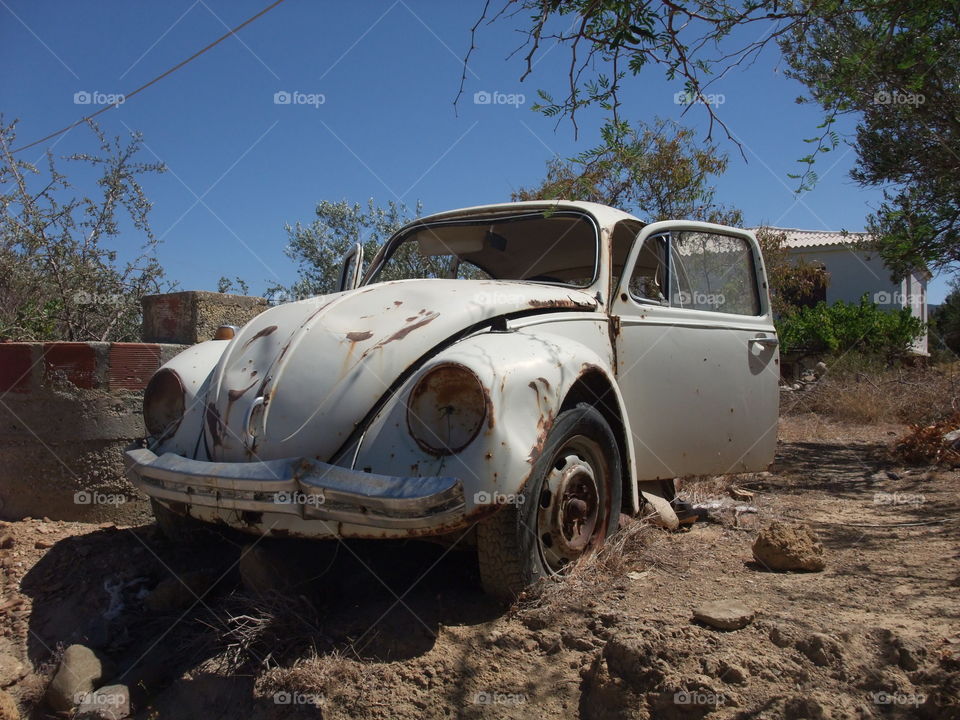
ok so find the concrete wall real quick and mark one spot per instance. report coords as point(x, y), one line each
point(194, 316)
point(855, 272)
point(67, 411)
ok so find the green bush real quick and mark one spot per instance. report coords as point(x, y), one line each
point(841, 327)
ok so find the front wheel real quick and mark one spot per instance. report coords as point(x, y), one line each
point(570, 504)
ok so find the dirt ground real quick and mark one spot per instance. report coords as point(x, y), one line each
point(390, 630)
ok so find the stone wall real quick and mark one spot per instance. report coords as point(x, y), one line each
point(67, 411)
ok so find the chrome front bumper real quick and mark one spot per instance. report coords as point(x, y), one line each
point(302, 487)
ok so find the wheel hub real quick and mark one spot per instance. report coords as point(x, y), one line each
point(569, 511)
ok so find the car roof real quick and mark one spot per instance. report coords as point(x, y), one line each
point(603, 214)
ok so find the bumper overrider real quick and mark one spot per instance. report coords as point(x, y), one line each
point(303, 487)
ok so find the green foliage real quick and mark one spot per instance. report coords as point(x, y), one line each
point(318, 248)
point(658, 172)
point(58, 280)
point(945, 323)
point(893, 65)
point(238, 285)
point(844, 327)
point(793, 283)
point(896, 67)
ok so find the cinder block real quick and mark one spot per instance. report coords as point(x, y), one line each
point(72, 361)
point(194, 316)
point(16, 366)
point(131, 365)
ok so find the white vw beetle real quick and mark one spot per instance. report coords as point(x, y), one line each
point(515, 375)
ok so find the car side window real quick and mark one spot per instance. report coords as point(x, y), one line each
point(649, 279)
point(714, 272)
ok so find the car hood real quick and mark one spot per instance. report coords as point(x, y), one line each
point(302, 376)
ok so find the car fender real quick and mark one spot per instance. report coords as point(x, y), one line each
point(526, 376)
point(195, 366)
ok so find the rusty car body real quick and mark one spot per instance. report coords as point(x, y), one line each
point(539, 368)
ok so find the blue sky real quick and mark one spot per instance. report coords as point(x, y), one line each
point(241, 165)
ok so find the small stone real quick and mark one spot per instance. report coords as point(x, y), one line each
point(78, 673)
point(111, 702)
point(549, 642)
point(733, 674)
point(11, 669)
point(787, 546)
point(724, 614)
point(6, 541)
point(44, 544)
point(780, 636)
point(575, 641)
point(820, 649)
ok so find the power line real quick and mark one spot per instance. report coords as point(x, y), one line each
point(156, 79)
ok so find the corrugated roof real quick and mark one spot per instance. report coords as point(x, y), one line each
point(819, 238)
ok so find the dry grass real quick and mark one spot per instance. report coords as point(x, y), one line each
point(633, 547)
point(333, 676)
point(261, 631)
point(864, 395)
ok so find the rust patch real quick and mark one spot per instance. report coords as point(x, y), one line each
point(234, 395)
point(546, 383)
point(359, 335)
point(403, 332)
point(398, 303)
point(214, 423)
point(543, 431)
point(263, 333)
point(567, 303)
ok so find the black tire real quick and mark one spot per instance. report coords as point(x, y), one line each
point(568, 507)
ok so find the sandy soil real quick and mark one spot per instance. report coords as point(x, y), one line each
point(373, 630)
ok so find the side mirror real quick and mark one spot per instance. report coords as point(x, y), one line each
point(350, 268)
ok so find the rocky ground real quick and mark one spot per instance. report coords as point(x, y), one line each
point(372, 630)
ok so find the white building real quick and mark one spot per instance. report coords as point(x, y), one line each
point(855, 268)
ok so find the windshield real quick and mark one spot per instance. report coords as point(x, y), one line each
point(559, 247)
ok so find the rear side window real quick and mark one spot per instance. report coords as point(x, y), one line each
point(713, 272)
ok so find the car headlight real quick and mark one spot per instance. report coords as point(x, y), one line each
point(446, 409)
point(163, 403)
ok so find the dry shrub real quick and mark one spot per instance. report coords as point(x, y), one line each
point(633, 547)
point(870, 395)
point(261, 631)
point(329, 676)
point(924, 444)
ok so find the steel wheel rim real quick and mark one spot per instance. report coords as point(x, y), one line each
point(569, 510)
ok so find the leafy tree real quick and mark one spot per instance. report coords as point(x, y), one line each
point(237, 285)
point(945, 321)
point(892, 64)
point(693, 43)
point(656, 171)
point(896, 66)
point(794, 283)
point(318, 248)
point(58, 280)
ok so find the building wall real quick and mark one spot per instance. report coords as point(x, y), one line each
point(855, 272)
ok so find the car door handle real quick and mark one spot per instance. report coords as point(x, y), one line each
point(765, 341)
